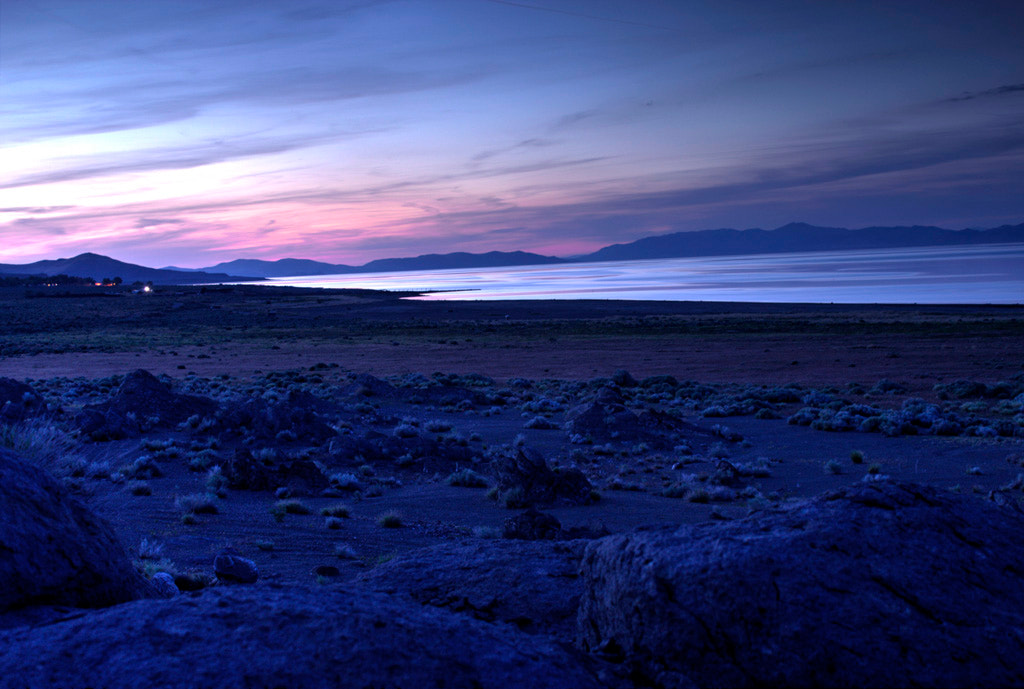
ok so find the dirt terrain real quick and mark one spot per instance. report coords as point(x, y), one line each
point(231, 342)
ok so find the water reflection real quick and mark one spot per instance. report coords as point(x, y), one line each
point(991, 274)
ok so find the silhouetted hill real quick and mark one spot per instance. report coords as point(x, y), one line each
point(797, 237)
point(287, 267)
point(99, 267)
point(459, 259)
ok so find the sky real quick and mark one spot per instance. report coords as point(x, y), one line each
point(189, 132)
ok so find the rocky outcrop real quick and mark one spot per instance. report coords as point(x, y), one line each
point(605, 418)
point(295, 419)
point(53, 549)
point(300, 476)
point(265, 636)
point(140, 403)
point(534, 586)
point(528, 474)
point(880, 584)
point(532, 525)
point(18, 401)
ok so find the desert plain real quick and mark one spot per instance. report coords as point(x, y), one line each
point(338, 438)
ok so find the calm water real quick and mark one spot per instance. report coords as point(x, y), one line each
point(990, 274)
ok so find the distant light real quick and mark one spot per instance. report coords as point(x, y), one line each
point(146, 289)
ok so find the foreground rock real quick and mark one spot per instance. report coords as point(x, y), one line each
point(232, 568)
point(881, 584)
point(18, 401)
point(53, 549)
point(140, 403)
point(278, 637)
point(534, 586)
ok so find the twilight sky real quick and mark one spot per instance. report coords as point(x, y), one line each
point(188, 132)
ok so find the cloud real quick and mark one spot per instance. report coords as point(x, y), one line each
point(998, 91)
point(781, 172)
point(35, 209)
point(154, 222)
point(180, 158)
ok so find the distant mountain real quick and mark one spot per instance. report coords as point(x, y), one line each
point(797, 237)
point(99, 267)
point(285, 267)
point(459, 259)
point(288, 267)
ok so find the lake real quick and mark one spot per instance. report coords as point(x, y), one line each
point(985, 274)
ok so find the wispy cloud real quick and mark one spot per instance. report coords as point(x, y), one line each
point(988, 93)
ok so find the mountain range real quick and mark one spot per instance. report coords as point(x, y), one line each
point(792, 238)
point(99, 267)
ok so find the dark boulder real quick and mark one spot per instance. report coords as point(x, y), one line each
point(531, 525)
point(528, 473)
point(879, 584)
point(605, 418)
point(232, 568)
point(365, 385)
point(534, 586)
point(301, 476)
point(140, 403)
point(18, 401)
point(266, 636)
point(53, 549)
point(297, 419)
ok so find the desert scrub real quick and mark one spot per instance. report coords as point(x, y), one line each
point(467, 478)
point(345, 481)
point(40, 441)
point(197, 503)
point(437, 426)
point(486, 532)
point(340, 510)
point(718, 451)
point(216, 481)
point(390, 520)
point(343, 551)
point(333, 523)
point(141, 468)
point(140, 488)
point(833, 467)
point(856, 456)
point(514, 498)
point(150, 550)
point(291, 506)
point(405, 430)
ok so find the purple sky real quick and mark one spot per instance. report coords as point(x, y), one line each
point(190, 132)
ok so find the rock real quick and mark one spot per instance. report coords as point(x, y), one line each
point(365, 385)
point(296, 419)
point(879, 584)
point(532, 525)
point(623, 379)
point(529, 472)
point(53, 549)
point(299, 476)
point(164, 585)
point(534, 586)
point(284, 637)
point(605, 418)
point(141, 402)
point(18, 401)
point(234, 569)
